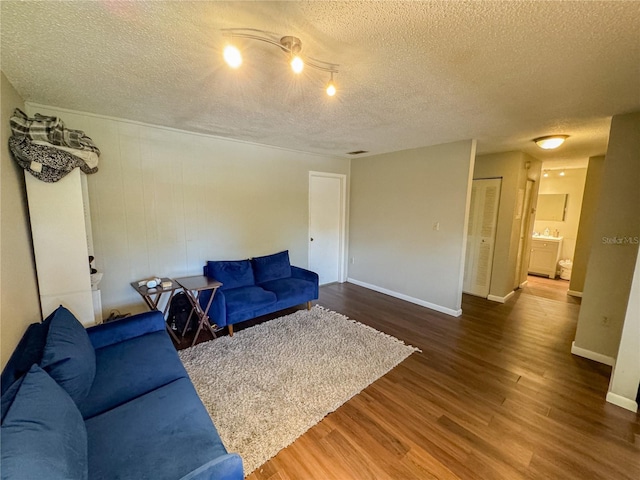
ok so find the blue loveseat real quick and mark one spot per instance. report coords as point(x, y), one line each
point(109, 402)
point(255, 287)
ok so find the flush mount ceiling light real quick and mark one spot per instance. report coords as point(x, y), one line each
point(290, 45)
point(550, 141)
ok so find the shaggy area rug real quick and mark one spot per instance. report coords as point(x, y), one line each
point(268, 384)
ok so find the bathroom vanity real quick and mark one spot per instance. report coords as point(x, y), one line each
point(545, 254)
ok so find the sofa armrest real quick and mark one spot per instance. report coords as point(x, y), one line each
point(126, 328)
point(304, 274)
point(226, 467)
point(218, 309)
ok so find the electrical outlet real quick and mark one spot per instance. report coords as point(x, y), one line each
point(353, 260)
point(436, 226)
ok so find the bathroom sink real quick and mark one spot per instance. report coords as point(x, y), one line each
point(546, 237)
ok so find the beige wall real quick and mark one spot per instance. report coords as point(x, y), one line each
point(165, 201)
point(616, 235)
point(572, 184)
point(19, 299)
point(584, 237)
point(396, 200)
point(512, 168)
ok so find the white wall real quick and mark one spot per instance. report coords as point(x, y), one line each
point(19, 298)
point(572, 184)
point(164, 201)
point(396, 199)
point(625, 377)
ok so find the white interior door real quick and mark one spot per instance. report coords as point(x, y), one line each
point(525, 235)
point(481, 236)
point(327, 206)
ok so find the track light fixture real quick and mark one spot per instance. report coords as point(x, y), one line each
point(292, 46)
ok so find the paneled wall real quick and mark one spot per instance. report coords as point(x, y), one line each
point(165, 201)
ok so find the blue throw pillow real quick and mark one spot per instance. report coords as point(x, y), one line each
point(271, 267)
point(27, 352)
point(43, 435)
point(69, 356)
point(9, 396)
point(232, 273)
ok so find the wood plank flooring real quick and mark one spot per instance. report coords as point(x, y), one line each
point(495, 394)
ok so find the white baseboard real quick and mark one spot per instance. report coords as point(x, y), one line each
point(524, 284)
point(623, 402)
point(402, 296)
point(573, 293)
point(495, 298)
point(595, 356)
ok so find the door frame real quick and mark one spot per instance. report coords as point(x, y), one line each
point(342, 271)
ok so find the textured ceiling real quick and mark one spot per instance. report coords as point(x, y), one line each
point(411, 74)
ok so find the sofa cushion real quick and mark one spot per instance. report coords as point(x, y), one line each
point(293, 289)
point(43, 435)
point(68, 355)
point(231, 273)
point(271, 267)
point(166, 432)
point(28, 351)
point(247, 299)
point(131, 368)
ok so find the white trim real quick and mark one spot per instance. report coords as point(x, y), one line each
point(402, 296)
point(495, 298)
point(573, 293)
point(621, 401)
point(595, 356)
point(343, 220)
point(524, 284)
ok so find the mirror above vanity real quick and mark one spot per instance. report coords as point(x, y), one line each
point(551, 207)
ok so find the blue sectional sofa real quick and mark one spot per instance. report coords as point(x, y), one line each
point(109, 402)
point(255, 287)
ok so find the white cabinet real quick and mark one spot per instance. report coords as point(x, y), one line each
point(545, 254)
point(60, 244)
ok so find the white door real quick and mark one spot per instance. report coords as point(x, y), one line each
point(525, 235)
point(327, 205)
point(481, 236)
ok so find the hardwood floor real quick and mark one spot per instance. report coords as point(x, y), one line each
point(495, 394)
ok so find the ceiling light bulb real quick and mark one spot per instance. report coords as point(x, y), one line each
point(297, 64)
point(331, 89)
point(232, 56)
point(550, 142)
point(562, 173)
point(545, 174)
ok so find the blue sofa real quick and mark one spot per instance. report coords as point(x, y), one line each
point(110, 402)
point(255, 287)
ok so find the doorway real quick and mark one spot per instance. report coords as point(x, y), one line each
point(481, 235)
point(327, 225)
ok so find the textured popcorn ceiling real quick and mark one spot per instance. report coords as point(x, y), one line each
point(412, 74)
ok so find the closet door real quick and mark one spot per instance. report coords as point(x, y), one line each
point(481, 236)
